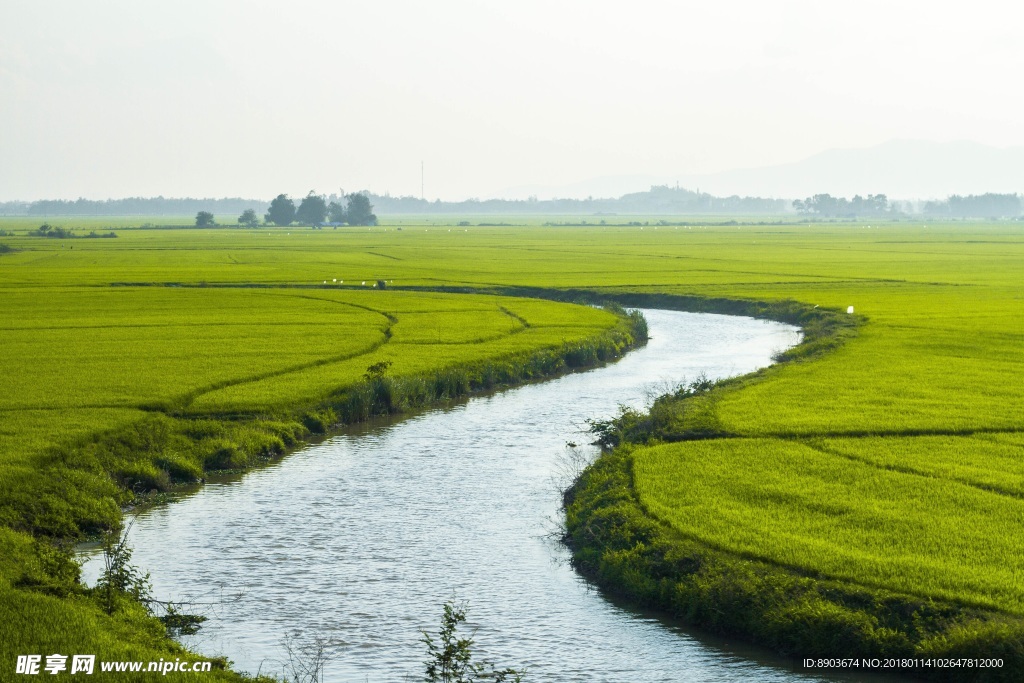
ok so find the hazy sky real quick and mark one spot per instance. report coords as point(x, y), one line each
point(206, 98)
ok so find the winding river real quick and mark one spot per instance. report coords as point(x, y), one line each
point(362, 537)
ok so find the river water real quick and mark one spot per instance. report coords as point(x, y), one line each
point(362, 537)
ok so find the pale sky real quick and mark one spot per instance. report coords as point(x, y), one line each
point(219, 98)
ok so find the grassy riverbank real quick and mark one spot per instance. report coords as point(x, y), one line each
point(767, 540)
point(873, 448)
point(115, 393)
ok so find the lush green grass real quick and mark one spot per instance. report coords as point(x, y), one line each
point(618, 543)
point(111, 381)
point(112, 391)
point(785, 502)
point(924, 402)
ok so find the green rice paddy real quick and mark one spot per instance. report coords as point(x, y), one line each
point(891, 463)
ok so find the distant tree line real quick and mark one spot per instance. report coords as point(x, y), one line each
point(987, 205)
point(132, 206)
point(827, 205)
point(660, 199)
point(14, 208)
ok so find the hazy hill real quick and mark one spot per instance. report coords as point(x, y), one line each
point(905, 169)
point(899, 168)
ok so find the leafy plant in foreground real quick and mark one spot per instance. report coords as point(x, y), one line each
point(122, 583)
point(120, 578)
point(450, 657)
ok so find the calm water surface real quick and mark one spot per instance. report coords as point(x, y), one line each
point(362, 537)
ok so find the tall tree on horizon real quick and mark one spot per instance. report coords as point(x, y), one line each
point(282, 211)
point(312, 210)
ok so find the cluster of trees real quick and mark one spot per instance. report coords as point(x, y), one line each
point(204, 219)
point(47, 230)
point(57, 232)
point(316, 211)
point(313, 210)
point(827, 205)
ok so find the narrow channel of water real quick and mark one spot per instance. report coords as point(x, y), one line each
point(361, 538)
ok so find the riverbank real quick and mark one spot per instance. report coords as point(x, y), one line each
point(361, 535)
point(632, 552)
point(79, 490)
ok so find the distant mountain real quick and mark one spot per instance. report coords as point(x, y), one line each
point(905, 169)
point(605, 186)
point(909, 169)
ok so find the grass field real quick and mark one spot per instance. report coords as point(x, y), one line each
point(891, 463)
point(918, 531)
point(111, 390)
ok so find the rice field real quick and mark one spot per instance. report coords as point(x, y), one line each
point(890, 463)
point(932, 531)
point(108, 382)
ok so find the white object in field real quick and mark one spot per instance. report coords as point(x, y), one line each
point(335, 279)
point(364, 283)
point(849, 309)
